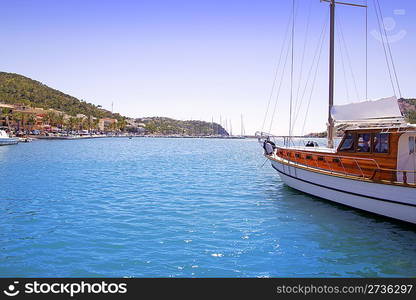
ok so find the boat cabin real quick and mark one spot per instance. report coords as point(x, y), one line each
point(392, 150)
point(378, 154)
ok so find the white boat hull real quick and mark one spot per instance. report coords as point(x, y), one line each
point(398, 202)
point(8, 141)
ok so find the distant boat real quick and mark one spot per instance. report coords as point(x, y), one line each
point(25, 139)
point(374, 166)
point(5, 139)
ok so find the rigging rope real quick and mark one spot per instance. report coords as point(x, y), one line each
point(313, 84)
point(277, 71)
point(278, 90)
point(384, 47)
point(389, 50)
point(281, 80)
point(291, 71)
point(317, 51)
point(348, 58)
point(343, 65)
point(303, 52)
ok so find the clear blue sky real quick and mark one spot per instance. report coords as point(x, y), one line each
point(198, 59)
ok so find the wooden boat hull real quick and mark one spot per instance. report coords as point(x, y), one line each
point(398, 202)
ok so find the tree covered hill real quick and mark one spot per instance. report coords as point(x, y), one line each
point(408, 108)
point(168, 126)
point(18, 89)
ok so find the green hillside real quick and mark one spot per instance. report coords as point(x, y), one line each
point(15, 89)
point(18, 89)
point(408, 108)
point(167, 126)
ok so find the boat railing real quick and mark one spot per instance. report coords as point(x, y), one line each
point(396, 175)
point(371, 170)
point(299, 142)
point(366, 168)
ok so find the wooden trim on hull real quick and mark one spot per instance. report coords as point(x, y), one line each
point(335, 174)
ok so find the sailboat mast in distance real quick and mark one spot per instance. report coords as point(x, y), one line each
point(225, 124)
point(220, 125)
point(242, 126)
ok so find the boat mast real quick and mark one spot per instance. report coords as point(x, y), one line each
point(330, 131)
point(331, 74)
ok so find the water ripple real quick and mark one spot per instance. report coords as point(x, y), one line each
point(179, 208)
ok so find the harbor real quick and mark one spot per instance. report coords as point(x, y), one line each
point(270, 142)
point(23, 123)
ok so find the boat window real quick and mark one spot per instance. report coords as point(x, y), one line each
point(411, 144)
point(364, 142)
point(381, 143)
point(349, 143)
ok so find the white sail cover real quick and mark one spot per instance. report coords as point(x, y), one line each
point(386, 108)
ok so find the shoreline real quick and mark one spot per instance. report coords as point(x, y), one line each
point(76, 137)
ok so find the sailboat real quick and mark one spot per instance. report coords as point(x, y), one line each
point(374, 166)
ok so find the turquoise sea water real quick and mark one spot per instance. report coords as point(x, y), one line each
point(148, 207)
